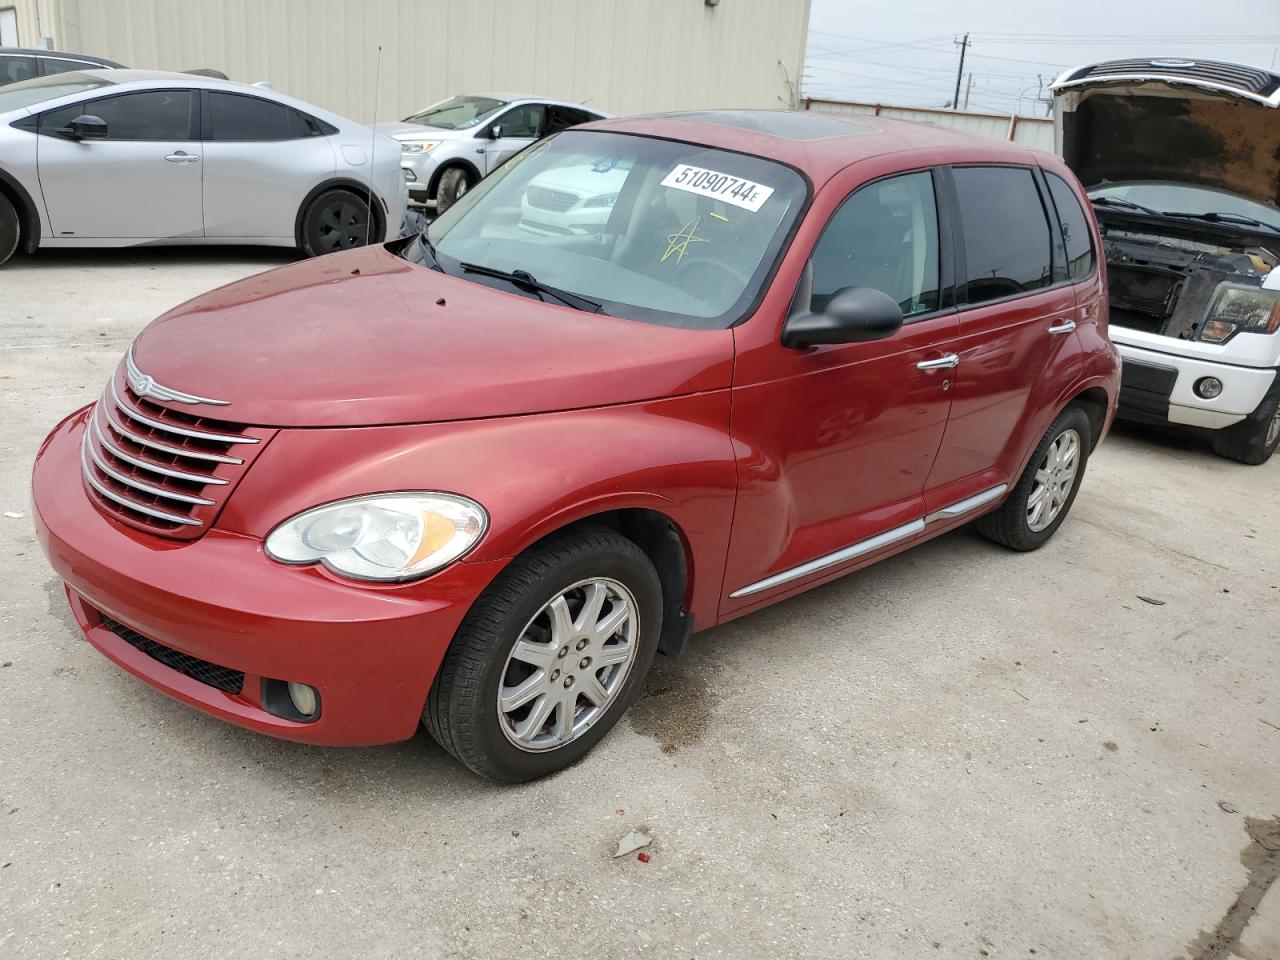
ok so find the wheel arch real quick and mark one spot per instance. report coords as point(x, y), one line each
point(342, 183)
point(457, 162)
point(28, 213)
point(1094, 401)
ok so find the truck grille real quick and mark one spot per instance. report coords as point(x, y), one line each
point(159, 469)
point(544, 199)
point(1247, 79)
point(211, 674)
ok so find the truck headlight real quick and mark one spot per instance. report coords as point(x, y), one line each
point(1237, 307)
point(418, 146)
point(389, 537)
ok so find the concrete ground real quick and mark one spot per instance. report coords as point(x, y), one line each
point(961, 752)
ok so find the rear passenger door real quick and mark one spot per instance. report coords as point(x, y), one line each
point(261, 158)
point(1017, 314)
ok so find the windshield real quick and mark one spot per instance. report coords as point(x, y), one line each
point(656, 230)
point(26, 93)
point(1179, 198)
point(457, 113)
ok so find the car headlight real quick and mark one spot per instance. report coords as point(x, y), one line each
point(388, 537)
point(1237, 307)
point(604, 200)
point(418, 146)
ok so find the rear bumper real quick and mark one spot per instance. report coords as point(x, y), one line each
point(1160, 388)
point(371, 652)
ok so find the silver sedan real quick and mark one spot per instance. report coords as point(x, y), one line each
point(114, 158)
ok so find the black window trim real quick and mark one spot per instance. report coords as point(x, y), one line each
point(1054, 238)
point(948, 225)
point(193, 130)
point(314, 124)
point(1057, 226)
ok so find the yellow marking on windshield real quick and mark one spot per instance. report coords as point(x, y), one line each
point(678, 243)
point(720, 216)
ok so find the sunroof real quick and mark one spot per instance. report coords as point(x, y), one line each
point(790, 124)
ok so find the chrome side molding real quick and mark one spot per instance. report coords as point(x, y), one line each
point(964, 506)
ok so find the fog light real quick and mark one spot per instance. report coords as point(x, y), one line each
point(410, 175)
point(303, 698)
point(1208, 387)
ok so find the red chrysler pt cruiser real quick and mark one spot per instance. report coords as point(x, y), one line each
point(649, 376)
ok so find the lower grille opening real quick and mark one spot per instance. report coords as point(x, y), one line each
point(211, 674)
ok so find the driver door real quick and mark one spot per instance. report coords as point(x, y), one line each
point(142, 181)
point(511, 132)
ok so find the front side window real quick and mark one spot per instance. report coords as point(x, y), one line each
point(56, 65)
point(523, 122)
point(14, 68)
point(656, 230)
point(457, 113)
point(885, 236)
point(241, 118)
point(1075, 227)
point(146, 115)
point(41, 89)
point(1007, 244)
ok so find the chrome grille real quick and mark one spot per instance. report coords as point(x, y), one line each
point(1248, 79)
point(162, 470)
point(545, 199)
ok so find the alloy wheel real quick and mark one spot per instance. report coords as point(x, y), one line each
point(1273, 430)
point(568, 664)
point(1054, 479)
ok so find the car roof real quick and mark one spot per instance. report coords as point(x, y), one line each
point(32, 52)
point(818, 143)
point(530, 98)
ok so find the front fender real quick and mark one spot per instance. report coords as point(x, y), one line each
point(533, 474)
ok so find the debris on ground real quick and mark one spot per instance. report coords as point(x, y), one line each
point(12, 515)
point(1227, 807)
point(642, 857)
point(632, 842)
point(1151, 600)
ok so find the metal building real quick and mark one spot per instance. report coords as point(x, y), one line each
point(622, 56)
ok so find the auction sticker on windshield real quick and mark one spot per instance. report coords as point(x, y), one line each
point(719, 186)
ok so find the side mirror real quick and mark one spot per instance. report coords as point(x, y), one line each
point(86, 127)
point(852, 315)
point(495, 132)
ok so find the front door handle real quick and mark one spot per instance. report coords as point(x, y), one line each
point(182, 157)
point(941, 363)
point(1063, 326)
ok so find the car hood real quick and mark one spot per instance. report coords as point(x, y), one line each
point(365, 337)
point(1179, 129)
point(589, 180)
point(419, 131)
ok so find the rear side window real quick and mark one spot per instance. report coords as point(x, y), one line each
point(235, 117)
point(1007, 243)
point(884, 236)
point(146, 115)
point(13, 69)
point(53, 65)
point(1075, 227)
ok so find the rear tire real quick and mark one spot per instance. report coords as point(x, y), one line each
point(1064, 447)
point(516, 670)
point(10, 228)
point(337, 220)
point(453, 184)
point(1254, 439)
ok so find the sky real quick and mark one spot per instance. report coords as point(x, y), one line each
point(907, 52)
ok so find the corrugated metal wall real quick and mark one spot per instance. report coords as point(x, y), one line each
point(624, 56)
point(1033, 132)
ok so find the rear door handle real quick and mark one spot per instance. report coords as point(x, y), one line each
point(1064, 326)
point(941, 363)
point(182, 157)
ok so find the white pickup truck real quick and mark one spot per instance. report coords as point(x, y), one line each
point(1182, 161)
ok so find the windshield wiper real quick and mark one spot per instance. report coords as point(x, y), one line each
point(526, 281)
point(1128, 204)
point(429, 249)
point(1239, 218)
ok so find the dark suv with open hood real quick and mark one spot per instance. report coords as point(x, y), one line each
point(1182, 161)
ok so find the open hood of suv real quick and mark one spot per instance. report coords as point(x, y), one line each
point(1195, 122)
point(364, 338)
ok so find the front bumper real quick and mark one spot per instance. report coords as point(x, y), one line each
point(1158, 387)
point(371, 652)
point(418, 169)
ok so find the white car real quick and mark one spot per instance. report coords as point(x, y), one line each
point(1180, 159)
point(115, 158)
point(449, 146)
point(572, 200)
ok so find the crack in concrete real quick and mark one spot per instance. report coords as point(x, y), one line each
point(1261, 859)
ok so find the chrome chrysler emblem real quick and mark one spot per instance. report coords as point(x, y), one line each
point(144, 385)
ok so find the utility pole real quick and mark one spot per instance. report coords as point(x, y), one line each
point(967, 88)
point(963, 45)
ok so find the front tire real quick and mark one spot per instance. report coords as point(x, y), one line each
point(10, 228)
point(337, 220)
point(1254, 439)
point(454, 183)
point(549, 657)
point(1043, 496)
